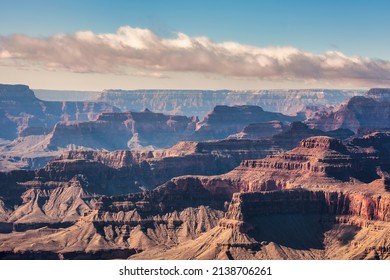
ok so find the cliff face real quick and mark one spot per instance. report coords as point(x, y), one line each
point(224, 121)
point(248, 206)
point(78, 222)
point(21, 113)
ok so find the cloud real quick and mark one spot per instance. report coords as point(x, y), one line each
point(87, 52)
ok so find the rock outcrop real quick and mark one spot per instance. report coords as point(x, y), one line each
point(224, 121)
point(359, 114)
point(131, 130)
point(259, 130)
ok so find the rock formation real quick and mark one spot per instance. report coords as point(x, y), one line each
point(131, 130)
point(224, 121)
point(259, 130)
point(361, 114)
point(21, 113)
point(297, 131)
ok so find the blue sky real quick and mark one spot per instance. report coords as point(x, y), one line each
point(354, 28)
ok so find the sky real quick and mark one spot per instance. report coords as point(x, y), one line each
point(96, 45)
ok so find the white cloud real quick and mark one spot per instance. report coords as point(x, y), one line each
point(87, 52)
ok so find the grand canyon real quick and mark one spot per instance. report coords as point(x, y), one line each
point(192, 174)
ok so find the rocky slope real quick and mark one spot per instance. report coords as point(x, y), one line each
point(199, 103)
point(110, 227)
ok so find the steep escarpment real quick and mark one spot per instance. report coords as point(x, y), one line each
point(306, 224)
point(247, 206)
point(106, 235)
point(317, 223)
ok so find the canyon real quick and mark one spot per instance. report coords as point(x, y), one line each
point(320, 194)
point(242, 183)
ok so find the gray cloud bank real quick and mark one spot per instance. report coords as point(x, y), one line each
point(87, 52)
